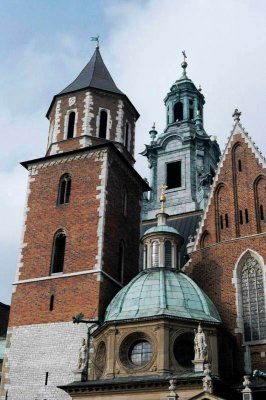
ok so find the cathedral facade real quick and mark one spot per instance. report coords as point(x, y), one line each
point(186, 321)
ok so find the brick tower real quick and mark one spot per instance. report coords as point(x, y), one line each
point(76, 250)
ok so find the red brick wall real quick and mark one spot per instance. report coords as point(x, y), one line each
point(80, 221)
point(72, 295)
point(218, 250)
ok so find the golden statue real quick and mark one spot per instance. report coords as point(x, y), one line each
point(163, 187)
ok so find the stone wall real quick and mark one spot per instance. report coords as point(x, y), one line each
point(33, 351)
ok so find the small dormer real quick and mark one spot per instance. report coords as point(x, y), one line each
point(90, 111)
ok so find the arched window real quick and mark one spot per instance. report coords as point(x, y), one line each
point(71, 125)
point(127, 136)
point(178, 111)
point(121, 261)
point(124, 202)
point(58, 254)
point(168, 253)
point(253, 300)
point(64, 189)
point(103, 124)
point(155, 254)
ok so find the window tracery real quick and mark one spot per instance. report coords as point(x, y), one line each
point(253, 300)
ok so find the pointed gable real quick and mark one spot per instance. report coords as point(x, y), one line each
point(236, 202)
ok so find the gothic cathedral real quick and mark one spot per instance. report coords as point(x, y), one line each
point(127, 289)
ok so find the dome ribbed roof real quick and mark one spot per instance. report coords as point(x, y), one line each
point(162, 228)
point(162, 292)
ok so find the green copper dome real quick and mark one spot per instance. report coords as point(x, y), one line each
point(162, 292)
point(162, 228)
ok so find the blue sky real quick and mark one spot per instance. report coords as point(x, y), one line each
point(45, 44)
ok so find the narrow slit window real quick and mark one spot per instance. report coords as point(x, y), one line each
point(51, 307)
point(173, 175)
point(261, 213)
point(124, 202)
point(168, 254)
point(145, 257)
point(221, 222)
point(46, 378)
point(239, 165)
point(155, 255)
point(246, 215)
point(103, 124)
point(121, 261)
point(64, 189)
point(71, 125)
point(58, 252)
point(226, 221)
point(127, 136)
point(241, 217)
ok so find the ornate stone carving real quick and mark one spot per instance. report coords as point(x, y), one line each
point(207, 380)
point(200, 345)
point(83, 355)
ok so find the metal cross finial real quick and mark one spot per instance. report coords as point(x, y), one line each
point(163, 187)
point(236, 115)
point(96, 39)
point(184, 55)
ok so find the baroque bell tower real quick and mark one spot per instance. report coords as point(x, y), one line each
point(183, 156)
point(76, 250)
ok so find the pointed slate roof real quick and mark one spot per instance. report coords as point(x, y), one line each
point(94, 74)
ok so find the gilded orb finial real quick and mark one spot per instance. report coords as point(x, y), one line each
point(163, 187)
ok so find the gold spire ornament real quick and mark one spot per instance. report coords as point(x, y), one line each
point(163, 187)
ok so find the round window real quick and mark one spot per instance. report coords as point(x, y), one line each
point(140, 353)
point(184, 349)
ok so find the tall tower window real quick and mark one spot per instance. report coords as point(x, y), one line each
point(191, 109)
point(178, 111)
point(124, 202)
point(71, 125)
point(168, 254)
point(64, 189)
point(155, 254)
point(58, 255)
point(173, 175)
point(253, 300)
point(121, 261)
point(103, 124)
point(127, 136)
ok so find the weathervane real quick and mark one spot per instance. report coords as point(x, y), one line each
point(96, 39)
point(184, 55)
point(163, 187)
point(236, 115)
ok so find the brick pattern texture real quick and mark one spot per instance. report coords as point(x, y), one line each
point(225, 237)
